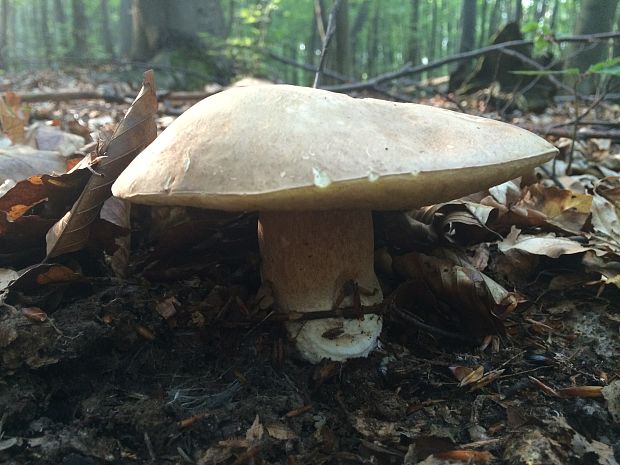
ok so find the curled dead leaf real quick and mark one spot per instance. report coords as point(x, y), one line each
point(34, 314)
point(467, 456)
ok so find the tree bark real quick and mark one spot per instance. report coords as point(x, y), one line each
point(79, 30)
point(433, 33)
point(125, 28)
point(163, 24)
point(60, 27)
point(4, 23)
point(554, 15)
point(594, 16)
point(494, 19)
point(360, 20)
point(44, 30)
point(468, 24)
point(373, 42)
point(413, 49)
point(518, 15)
point(484, 23)
point(106, 31)
point(541, 9)
point(344, 58)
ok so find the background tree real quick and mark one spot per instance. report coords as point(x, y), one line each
point(468, 24)
point(44, 30)
point(413, 45)
point(61, 31)
point(203, 38)
point(594, 15)
point(125, 28)
point(4, 26)
point(106, 31)
point(173, 35)
point(79, 29)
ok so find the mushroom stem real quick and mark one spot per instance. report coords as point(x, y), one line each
point(309, 257)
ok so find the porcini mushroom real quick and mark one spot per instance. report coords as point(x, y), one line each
point(314, 164)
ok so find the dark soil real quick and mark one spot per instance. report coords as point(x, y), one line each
point(111, 377)
point(179, 363)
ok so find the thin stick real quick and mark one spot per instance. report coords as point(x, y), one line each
point(331, 28)
point(410, 69)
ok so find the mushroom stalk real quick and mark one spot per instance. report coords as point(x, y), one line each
point(309, 257)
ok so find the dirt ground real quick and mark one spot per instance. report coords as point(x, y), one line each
point(150, 371)
point(179, 362)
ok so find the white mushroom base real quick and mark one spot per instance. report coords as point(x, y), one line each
point(309, 257)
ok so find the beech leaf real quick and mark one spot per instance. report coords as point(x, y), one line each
point(133, 134)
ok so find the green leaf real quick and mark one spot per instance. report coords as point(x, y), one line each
point(530, 26)
point(541, 72)
point(611, 66)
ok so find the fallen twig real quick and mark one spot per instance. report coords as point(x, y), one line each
point(409, 69)
point(65, 96)
point(581, 134)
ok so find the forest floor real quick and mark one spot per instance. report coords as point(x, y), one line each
point(178, 361)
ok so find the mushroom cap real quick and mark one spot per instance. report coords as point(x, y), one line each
point(281, 147)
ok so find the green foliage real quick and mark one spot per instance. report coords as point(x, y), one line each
point(542, 35)
point(610, 67)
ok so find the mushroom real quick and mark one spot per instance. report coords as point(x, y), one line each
point(315, 164)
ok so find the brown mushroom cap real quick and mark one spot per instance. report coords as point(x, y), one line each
point(280, 147)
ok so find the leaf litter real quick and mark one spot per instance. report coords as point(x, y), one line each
point(500, 343)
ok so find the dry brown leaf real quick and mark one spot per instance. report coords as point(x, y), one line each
point(467, 456)
point(467, 375)
point(280, 431)
point(12, 118)
point(34, 279)
point(255, 432)
point(474, 299)
point(612, 396)
point(547, 244)
point(34, 314)
point(134, 133)
point(606, 223)
point(580, 391)
point(609, 269)
point(7, 276)
point(460, 221)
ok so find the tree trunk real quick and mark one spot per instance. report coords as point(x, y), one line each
point(616, 49)
point(4, 23)
point(413, 49)
point(518, 16)
point(60, 27)
point(344, 59)
point(554, 15)
point(163, 24)
point(169, 34)
point(79, 30)
point(541, 9)
point(373, 42)
point(44, 30)
point(210, 17)
point(433, 32)
point(484, 23)
point(360, 20)
point(106, 31)
point(494, 19)
point(125, 28)
point(312, 43)
point(468, 24)
point(594, 16)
